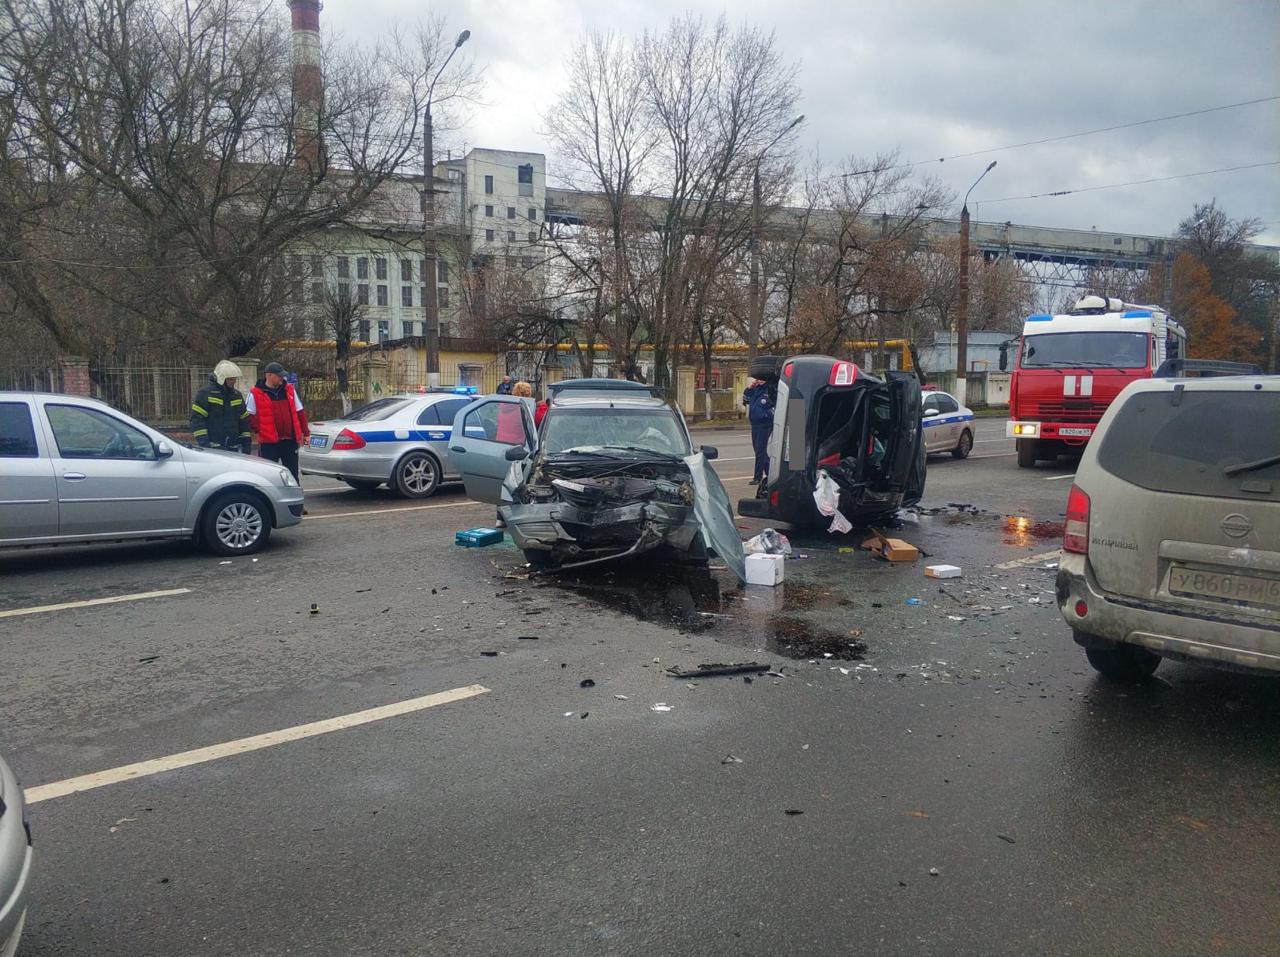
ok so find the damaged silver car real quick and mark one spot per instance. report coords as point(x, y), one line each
point(611, 474)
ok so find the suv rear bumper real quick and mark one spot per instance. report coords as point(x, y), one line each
point(1185, 637)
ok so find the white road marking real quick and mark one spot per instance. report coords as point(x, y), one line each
point(1056, 478)
point(1032, 559)
point(184, 759)
point(995, 455)
point(136, 596)
point(402, 508)
point(981, 441)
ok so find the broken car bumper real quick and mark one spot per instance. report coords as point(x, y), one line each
point(563, 533)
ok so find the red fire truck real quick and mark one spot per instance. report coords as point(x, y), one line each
point(1070, 367)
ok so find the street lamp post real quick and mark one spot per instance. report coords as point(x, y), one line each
point(753, 282)
point(962, 316)
point(430, 298)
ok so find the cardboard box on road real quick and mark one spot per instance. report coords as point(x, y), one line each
point(892, 549)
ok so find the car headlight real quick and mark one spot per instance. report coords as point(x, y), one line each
point(287, 479)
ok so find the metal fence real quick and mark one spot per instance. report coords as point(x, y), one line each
point(158, 395)
point(31, 378)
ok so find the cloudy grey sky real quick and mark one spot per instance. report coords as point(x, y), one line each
point(941, 78)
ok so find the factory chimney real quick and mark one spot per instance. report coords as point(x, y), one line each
point(307, 83)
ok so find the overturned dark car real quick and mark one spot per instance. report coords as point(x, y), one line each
point(610, 474)
point(861, 430)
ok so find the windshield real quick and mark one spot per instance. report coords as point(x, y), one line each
point(1075, 350)
point(588, 430)
point(380, 409)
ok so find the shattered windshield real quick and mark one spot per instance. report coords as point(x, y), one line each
point(613, 431)
point(1074, 350)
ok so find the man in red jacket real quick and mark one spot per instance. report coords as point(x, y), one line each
point(278, 419)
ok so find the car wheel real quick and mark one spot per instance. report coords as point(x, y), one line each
point(1027, 449)
point(768, 368)
point(964, 446)
point(362, 485)
point(417, 475)
point(1130, 664)
point(236, 523)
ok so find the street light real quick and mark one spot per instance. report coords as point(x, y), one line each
point(753, 292)
point(430, 302)
point(962, 317)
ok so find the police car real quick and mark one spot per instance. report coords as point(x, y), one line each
point(401, 441)
point(948, 426)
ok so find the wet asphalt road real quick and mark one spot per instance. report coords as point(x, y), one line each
point(966, 734)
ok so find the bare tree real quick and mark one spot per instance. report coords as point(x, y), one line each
point(341, 316)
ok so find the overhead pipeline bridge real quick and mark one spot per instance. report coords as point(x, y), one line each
point(1054, 256)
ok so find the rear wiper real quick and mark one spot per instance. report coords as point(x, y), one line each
point(1231, 470)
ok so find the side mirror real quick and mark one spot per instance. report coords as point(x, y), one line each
point(164, 450)
point(517, 453)
point(710, 452)
point(1004, 357)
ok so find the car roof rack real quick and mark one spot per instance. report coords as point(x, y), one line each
point(1204, 368)
point(603, 385)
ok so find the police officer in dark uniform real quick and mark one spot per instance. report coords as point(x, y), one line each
point(759, 400)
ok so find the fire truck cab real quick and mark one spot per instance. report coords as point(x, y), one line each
point(1069, 368)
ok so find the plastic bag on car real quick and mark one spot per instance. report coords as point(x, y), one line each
point(827, 494)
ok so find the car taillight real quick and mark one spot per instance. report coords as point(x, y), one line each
point(832, 459)
point(786, 370)
point(1075, 533)
point(842, 373)
point(348, 440)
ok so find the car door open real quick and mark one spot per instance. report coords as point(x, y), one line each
point(483, 434)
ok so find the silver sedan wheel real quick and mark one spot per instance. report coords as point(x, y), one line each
point(238, 525)
point(418, 476)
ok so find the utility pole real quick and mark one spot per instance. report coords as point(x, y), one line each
point(962, 314)
point(430, 273)
point(755, 316)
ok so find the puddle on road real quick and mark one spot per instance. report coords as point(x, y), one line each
point(797, 638)
point(1023, 532)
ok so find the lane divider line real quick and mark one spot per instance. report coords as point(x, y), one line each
point(90, 602)
point(185, 759)
point(1058, 478)
point(1032, 559)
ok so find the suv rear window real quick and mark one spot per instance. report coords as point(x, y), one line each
point(1183, 448)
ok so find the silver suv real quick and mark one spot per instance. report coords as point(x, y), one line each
point(1172, 540)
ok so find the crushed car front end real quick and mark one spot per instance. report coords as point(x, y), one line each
point(577, 510)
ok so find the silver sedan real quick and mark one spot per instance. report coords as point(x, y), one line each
point(75, 470)
point(401, 441)
point(15, 862)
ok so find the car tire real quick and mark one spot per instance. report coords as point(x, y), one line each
point(417, 475)
point(363, 485)
point(1130, 664)
point(235, 523)
point(1027, 449)
point(768, 368)
point(964, 446)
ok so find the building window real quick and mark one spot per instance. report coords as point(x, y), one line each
point(442, 294)
point(295, 267)
point(526, 179)
point(406, 296)
point(511, 236)
point(406, 270)
point(382, 295)
point(362, 267)
point(533, 236)
point(317, 267)
point(318, 330)
point(362, 294)
point(488, 211)
point(381, 266)
point(533, 214)
point(384, 330)
point(488, 235)
point(363, 327)
point(317, 292)
point(344, 292)
point(511, 212)
point(442, 271)
point(344, 267)
point(488, 185)
point(295, 292)
point(526, 262)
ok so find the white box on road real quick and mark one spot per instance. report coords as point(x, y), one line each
point(764, 569)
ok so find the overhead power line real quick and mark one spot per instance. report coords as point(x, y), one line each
point(1135, 182)
point(1071, 136)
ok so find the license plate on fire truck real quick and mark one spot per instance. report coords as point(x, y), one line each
point(1075, 431)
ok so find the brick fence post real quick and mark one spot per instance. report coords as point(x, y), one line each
point(75, 376)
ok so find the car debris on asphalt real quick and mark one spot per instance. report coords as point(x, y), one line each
point(714, 670)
